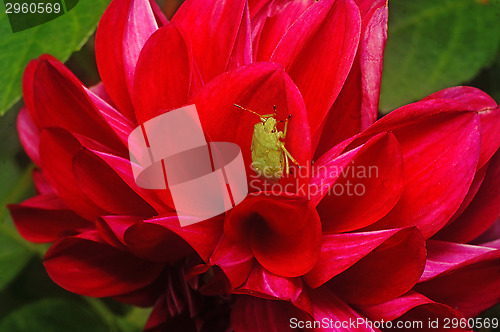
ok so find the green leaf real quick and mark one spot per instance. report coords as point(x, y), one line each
point(13, 255)
point(59, 37)
point(436, 44)
point(53, 315)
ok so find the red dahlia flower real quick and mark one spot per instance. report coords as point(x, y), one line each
point(410, 244)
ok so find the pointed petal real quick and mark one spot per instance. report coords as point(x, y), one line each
point(356, 107)
point(62, 101)
point(215, 26)
point(148, 237)
point(44, 218)
point(410, 306)
point(452, 266)
point(327, 306)
point(251, 314)
point(283, 232)
point(394, 267)
point(489, 114)
point(57, 149)
point(112, 228)
point(364, 188)
point(121, 34)
point(163, 74)
point(257, 87)
point(318, 51)
point(482, 211)
point(440, 141)
point(29, 135)
point(272, 22)
point(262, 283)
point(161, 200)
point(105, 188)
point(84, 265)
point(341, 251)
point(234, 259)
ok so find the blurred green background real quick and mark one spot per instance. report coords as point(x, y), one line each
point(432, 44)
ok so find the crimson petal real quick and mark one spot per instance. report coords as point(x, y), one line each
point(283, 232)
point(318, 51)
point(222, 22)
point(452, 266)
point(84, 265)
point(57, 149)
point(44, 218)
point(440, 142)
point(164, 73)
point(482, 211)
point(357, 104)
point(411, 306)
point(122, 32)
point(394, 267)
point(341, 251)
point(165, 232)
point(489, 114)
point(29, 135)
point(250, 314)
point(262, 283)
point(116, 196)
point(370, 182)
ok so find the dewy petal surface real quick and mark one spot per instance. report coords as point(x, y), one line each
point(318, 51)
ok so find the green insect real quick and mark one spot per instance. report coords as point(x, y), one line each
point(268, 151)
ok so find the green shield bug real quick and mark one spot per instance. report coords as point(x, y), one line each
point(268, 151)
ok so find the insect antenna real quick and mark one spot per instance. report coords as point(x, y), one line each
point(246, 109)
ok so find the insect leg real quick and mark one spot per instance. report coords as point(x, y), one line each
point(287, 165)
point(289, 155)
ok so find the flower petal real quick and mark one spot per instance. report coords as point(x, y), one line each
point(57, 149)
point(44, 218)
point(440, 141)
point(234, 259)
point(318, 51)
point(221, 22)
point(489, 114)
point(482, 211)
point(356, 107)
point(370, 182)
point(150, 235)
point(121, 34)
point(62, 101)
point(327, 306)
point(341, 251)
point(29, 135)
point(393, 268)
point(272, 22)
point(411, 306)
point(164, 73)
point(262, 283)
point(116, 197)
point(84, 265)
point(250, 314)
point(451, 267)
point(283, 232)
